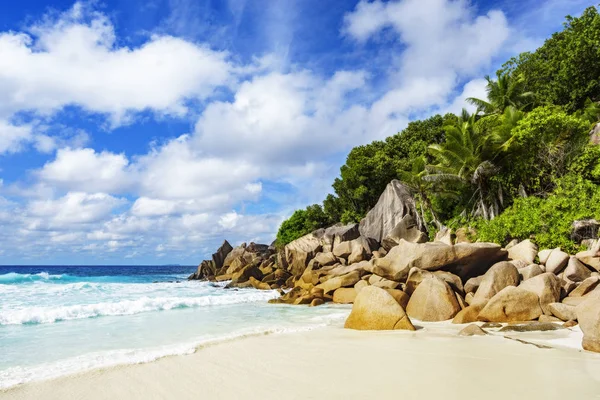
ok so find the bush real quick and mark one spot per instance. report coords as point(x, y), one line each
point(302, 222)
point(547, 222)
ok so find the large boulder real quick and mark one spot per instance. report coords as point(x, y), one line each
point(376, 309)
point(546, 286)
point(407, 229)
point(498, 277)
point(530, 271)
point(340, 281)
point(468, 314)
point(585, 229)
point(576, 271)
point(344, 295)
point(463, 259)
point(525, 250)
point(376, 280)
point(299, 252)
point(591, 258)
point(588, 316)
point(585, 287)
point(222, 252)
point(511, 304)
point(394, 204)
point(562, 311)
point(334, 235)
point(557, 261)
point(433, 300)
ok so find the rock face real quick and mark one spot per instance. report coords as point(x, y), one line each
point(511, 304)
point(407, 229)
point(461, 259)
point(433, 300)
point(498, 277)
point(588, 315)
point(299, 252)
point(394, 204)
point(376, 309)
point(525, 251)
point(334, 235)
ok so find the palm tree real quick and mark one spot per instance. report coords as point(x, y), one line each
point(416, 180)
point(466, 156)
point(506, 91)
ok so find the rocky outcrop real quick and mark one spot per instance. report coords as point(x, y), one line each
point(407, 229)
point(299, 252)
point(376, 309)
point(394, 204)
point(208, 268)
point(464, 259)
point(433, 300)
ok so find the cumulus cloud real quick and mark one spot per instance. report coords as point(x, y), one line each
point(74, 59)
point(86, 170)
point(278, 125)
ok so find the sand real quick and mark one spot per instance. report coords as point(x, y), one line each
point(333, 363)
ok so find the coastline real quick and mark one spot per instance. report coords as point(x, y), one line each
point(339, 363)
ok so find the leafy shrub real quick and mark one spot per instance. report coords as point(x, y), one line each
point(547, 222)
point(302, 222)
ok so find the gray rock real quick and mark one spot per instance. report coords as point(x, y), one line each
point(394, 204)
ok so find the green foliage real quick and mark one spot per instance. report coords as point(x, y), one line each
point(508, 90)
point(587, 165)
point(370, 168)
point(542, 146)
point(302, 222)
point(546, 221)
point(514, 170)
point(565, 71)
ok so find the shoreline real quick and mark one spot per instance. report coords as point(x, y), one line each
point(335, 362)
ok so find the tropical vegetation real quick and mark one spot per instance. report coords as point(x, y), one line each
point(521, 166)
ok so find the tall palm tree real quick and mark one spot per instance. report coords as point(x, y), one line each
point(466, 156)
point(508, 90)
point(416, 180)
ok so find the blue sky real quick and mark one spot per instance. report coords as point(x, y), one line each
point(146, 132)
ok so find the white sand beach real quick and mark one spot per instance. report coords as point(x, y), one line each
point(334, 363)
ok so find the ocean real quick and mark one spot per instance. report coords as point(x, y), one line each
point(59, 320)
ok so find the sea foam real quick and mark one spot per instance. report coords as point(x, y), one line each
point(45, 315)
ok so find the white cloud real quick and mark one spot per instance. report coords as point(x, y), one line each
point(72, 209)
point(13, 138)
point(86, 170)
point(75, 60)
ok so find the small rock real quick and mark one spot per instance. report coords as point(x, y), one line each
point(531, 327)
point(316, 302)
point(525, 251)
point(472, 330)
point(586, 286)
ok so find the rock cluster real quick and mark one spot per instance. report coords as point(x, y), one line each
point(387, 270)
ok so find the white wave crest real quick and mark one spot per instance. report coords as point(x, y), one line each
point(46, 315)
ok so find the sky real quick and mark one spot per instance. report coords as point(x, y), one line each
point(146, 132)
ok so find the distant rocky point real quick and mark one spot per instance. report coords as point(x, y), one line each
point(388, 270)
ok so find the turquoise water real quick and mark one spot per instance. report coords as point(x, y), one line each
point(63, 320)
